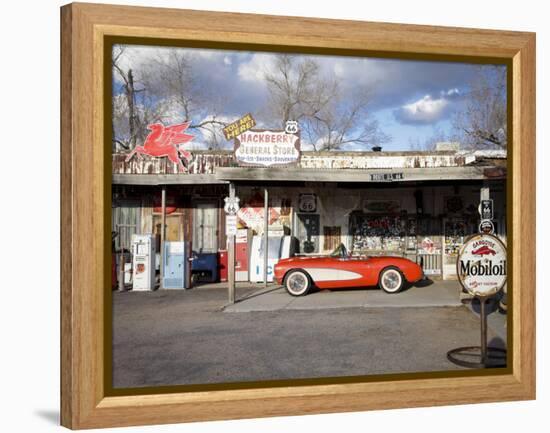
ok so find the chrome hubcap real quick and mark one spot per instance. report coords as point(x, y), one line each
point(391, 280)
point(297, 282)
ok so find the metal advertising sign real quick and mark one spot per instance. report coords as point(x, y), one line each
point(231, 206)
point(236, 128)
point(386, 177)
point(487, 227)
point(231, 225)
point(267, 148)
point(291, 127)
point(165, 141)
point(307, 203)
point(481, 265)
point(486, 208)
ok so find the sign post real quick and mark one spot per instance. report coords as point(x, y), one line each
point(266, 233)
point(231, 208)
point(162, 233)
point(481, 270)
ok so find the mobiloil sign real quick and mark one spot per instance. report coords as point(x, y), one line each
point(481, 265)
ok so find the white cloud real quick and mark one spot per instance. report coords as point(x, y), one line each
point(339, 69)
point(205, 54)
point(227, 61)
point(135, 56)
point(306, 145)
point(427, 109)
point(255, 69)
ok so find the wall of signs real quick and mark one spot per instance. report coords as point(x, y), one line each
point(308, 232)
point(377, 232)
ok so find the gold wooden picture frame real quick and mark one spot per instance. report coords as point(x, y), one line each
point(85, 221)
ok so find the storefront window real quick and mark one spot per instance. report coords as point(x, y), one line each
point(371, 233)
point(205, 230)
point(125, 222)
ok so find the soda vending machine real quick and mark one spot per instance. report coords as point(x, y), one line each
point(243, 240)
point(143, 261)
point(278, 247)
point(222, 265)
point(257, 257)
point(176, 271)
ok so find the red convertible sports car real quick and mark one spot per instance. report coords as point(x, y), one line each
point(339, 270)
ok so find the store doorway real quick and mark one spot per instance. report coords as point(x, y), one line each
point(173, 228)
point(205, 227)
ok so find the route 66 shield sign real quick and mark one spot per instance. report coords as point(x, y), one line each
point(231, 206)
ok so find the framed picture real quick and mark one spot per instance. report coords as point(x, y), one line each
point(268, 216)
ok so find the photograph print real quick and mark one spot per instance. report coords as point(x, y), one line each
point(287, 218)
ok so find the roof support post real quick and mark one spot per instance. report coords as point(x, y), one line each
point(162, 234)
point(231, 256)
point(266, 232)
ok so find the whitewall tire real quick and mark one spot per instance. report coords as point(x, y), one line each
point(297, 283)
point(391, 280)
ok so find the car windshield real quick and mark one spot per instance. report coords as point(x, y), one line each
point(340, 251)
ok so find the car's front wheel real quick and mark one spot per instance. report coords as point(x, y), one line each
point(391, 280)
point(297, 283)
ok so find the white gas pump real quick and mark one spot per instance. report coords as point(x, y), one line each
point(143, 261)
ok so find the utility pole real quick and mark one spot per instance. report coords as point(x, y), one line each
point(162, 233)
point(231, 253)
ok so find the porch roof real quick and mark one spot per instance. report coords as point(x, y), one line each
point(364, 175)
point(224, 175)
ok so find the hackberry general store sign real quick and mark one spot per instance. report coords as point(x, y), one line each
point(481, 265)
point(267, 148)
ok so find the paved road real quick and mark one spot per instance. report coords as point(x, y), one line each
point(424, 294)
point(184, 337)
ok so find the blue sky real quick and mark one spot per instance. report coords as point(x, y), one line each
point(412, 100)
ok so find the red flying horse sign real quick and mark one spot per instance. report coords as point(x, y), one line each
point(165, 141)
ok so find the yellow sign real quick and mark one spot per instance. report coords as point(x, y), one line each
point(238, 127)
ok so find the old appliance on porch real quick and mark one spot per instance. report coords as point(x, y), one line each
point(143, 261)
point(204, 267)
point(242, 254)
point(242, 257)
point(176, 273)
point(222, 265)
point(279, 247)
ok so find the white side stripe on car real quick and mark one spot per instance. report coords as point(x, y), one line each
point(328, 274)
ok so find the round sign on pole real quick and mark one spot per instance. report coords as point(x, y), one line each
point(481, 265)
point(487, 227)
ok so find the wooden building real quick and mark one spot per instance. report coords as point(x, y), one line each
point(420, 205)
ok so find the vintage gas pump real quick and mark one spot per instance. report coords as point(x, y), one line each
point(143, 262)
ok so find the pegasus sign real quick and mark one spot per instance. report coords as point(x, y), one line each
point(165, 141)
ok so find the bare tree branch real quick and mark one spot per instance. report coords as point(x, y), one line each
point(328, 118)
point(483, 121)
